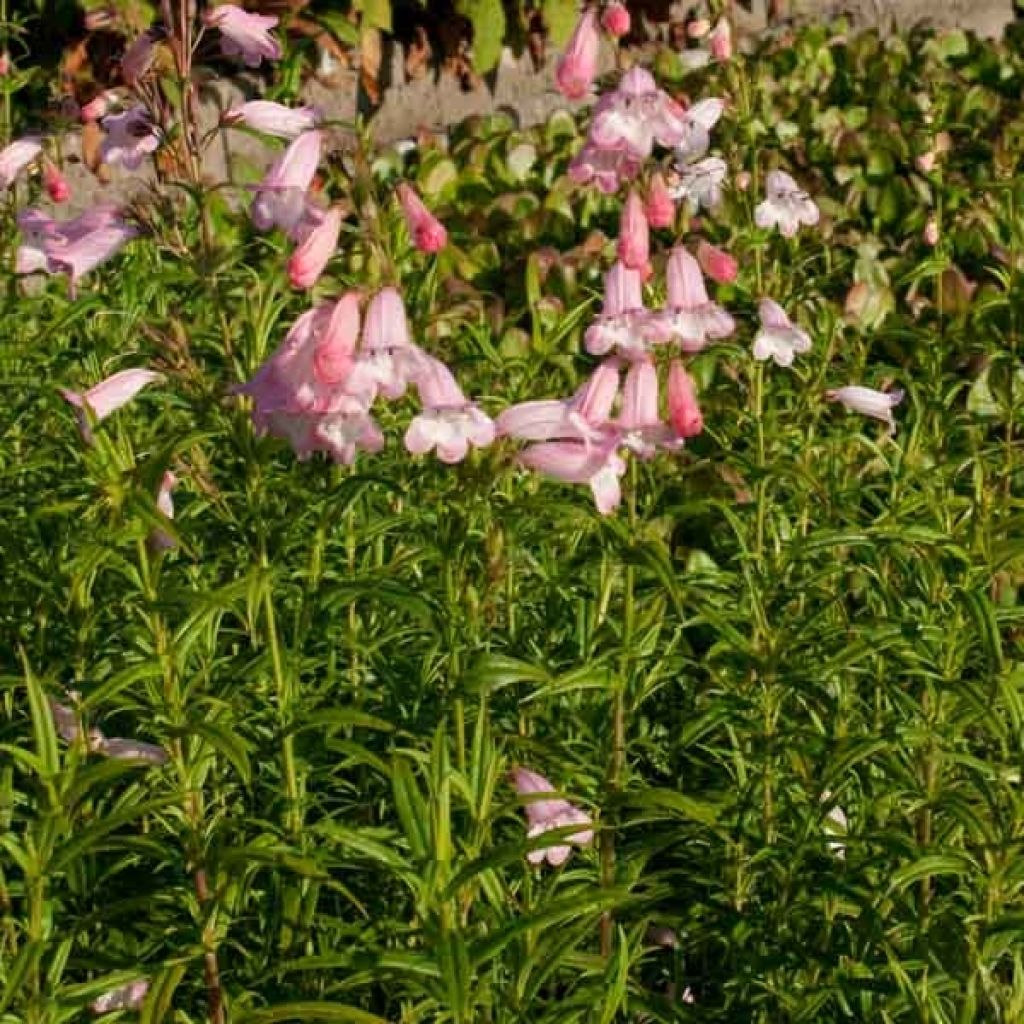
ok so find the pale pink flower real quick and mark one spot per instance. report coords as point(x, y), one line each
point(698, 28)
point(121, 748)
point(427, 232)
point(5, 64)
point(125, 997)
point(80, 245)
point(606, 168)
point(138, 58)
point(388, 358)
point(547, 813)
point(660, 208)
point(615, 19)
point(97, 107)
point(636, 115)
point(698, 120)
point(778, 338)
point(624, 325)
point(642, 430)
point(577, 67)
point(35, 227)
point(683, 409)
point(244, 34)
point(720, 40)
point(930, 235)
point(577, 462)
point(926, 161)
point(690, 317)
point(634, 235)
point(130, 137)
point(310, 258)
point(107, 397)
point(701, 183)
point(274, 118)
point(449, 422)
point(743, 180)
point(584, 416)
point(786, 206)
point(55, 183)
point(344, 433)
point(719, 265)
point(161, 540)
point(16, 157)
point(68, 726)
point(281, 196)
point(868, 402)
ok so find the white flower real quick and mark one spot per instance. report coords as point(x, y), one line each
point(779, 338)
point(787, 206)
point(700, 183)
point(697, 124)
point(867, 401)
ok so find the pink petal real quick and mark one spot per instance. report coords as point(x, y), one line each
point(685, 282)
point(113, 392)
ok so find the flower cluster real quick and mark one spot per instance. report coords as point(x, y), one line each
point(318, 389)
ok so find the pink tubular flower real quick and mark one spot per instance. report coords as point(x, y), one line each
point(449, 422)
point(5, 64)
point(55, 183)
point(719, 265)
point(636, 115)
point(639, 422)
point(107, 397)
point(310, 258)
point(130, 137)
point(547, 813)
point(161, 540)
point(615, 19)
point(868, 402)
point(577, 67)
point(427, 232)
point(97, 107)
point(700, 184)
point(274, 118)
point(244, 34)
point(660, 207)
point(778, 338)
point(695, 138)
point(634, 235)
point(138, 58)
point(576, 462)
point(720, 40)
point(16, 157)
point(683, 410)
point(689, 316)
point(786, 206)
point(281, 195)
point(606, 168)
point(125, 997)
point(624, 326)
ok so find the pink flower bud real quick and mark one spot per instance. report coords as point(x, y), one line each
point(310, 258)
point(577, 67)
point(634, 236)
point(926, 162)
point(96, 108)
point(931, 232)
point(615, 19)
point(720, 40)
point(428, 233)
point(719, 265)
point(55, 183)
point(683, 411)
point(5, 64)
point(698, 28)
point(660, 207)
point(742, 180)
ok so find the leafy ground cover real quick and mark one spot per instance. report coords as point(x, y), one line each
point(781, 679)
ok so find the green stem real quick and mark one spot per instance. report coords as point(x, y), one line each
point(284, 700)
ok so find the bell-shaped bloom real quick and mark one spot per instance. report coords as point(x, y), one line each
point(697, 124)
point(778, 338)
point(310, 258)
point(636, 115)
point(583, 417)
point(868, 402)
point(130, 137)
point(281, 196)
point(243, 34)
point(274, 118)
point(138, 58)
point(615, 19)
point(642, 430)
point(786, 206)
point(700, 184)
point(124, 997)
point(605, 168)
point(388, 359)
point(719, 265)
point(634, 235)
point(544, 813)
point(427, 232)
point(161, 540)
point(124, 749)
point(720, 40)
point(690, 318)
point(77, 246)
point(624, 325)
point(683, 409)
point(577, 67)
point(660, 207)
point(16, 157)
point(68, 726)
point(577, 462)
point(344, 433)
point(107, 397)
point(449, 422)
point(55, 183)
